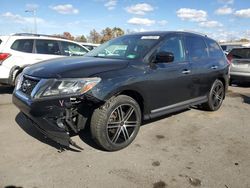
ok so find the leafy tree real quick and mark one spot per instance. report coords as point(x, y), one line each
point(117, 32)
point(68, 36)
point(107, 34)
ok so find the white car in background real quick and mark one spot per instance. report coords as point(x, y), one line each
point(90, 46)
point(20, 50)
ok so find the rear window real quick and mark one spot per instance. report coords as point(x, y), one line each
point(241, 53)
point(214, 49)
point(23, 45)
point(197, 48)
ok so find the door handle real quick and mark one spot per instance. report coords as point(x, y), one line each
point(186, 71)
point(214, 67)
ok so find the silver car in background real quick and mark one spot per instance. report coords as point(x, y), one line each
point(240, 64)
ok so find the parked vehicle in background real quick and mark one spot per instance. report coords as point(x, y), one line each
point(228, 47)
point(121, 83)
point(20, 50)
point(89, 46)
point(240, 64)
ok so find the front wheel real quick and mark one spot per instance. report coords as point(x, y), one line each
point(116, 124)
point(215, 97)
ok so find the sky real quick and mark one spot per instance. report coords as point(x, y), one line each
point(219, 19)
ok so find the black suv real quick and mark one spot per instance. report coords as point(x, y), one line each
point(121, 83)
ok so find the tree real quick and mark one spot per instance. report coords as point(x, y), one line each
point(243, 40)
point(107, 34)
point(65, 35)
point(68, 36)
point(116, 32)
point(94, 37)
point(81, 38)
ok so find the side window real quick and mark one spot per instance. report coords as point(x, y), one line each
point(175, 46)
point(0, 41)
point(71, 49)
point(23, 45)
point(214, 49)
point(196, 48)
point(47, 47)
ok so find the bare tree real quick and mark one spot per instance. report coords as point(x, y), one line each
point(94, 37)
point(81, 38)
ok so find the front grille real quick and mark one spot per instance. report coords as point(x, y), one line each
point(28, 84)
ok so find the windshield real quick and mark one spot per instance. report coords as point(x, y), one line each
point(125, 47)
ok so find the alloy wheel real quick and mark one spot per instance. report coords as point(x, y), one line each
point(217, 95)
point(122, 124)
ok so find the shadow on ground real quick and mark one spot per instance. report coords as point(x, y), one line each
point(6, 89)
point(245, 97)
point(31, 130)
point(241, 84)
point(86, 137)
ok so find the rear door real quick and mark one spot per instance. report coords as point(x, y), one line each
point(45, 49)
point(170, 83)
point(203, 67)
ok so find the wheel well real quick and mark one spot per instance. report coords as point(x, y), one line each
point(136, 96)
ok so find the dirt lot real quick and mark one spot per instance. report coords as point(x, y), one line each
point(188, 149)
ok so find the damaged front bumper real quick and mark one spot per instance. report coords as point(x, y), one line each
point(55, 118)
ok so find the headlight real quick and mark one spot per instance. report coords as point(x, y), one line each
point(65, 87)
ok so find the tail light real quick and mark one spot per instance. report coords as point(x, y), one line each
point(229, 58)
point(4, 56)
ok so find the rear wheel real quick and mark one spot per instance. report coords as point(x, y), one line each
point(116, 124)
point(16, 79)
point(215, 97)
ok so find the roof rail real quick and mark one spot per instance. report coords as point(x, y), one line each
point(31, 34)
point(194, 32)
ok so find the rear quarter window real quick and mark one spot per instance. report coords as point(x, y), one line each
point(214, 49)
point(23, 45)
point(196, 48)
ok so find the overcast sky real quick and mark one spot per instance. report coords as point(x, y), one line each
point(220, 19)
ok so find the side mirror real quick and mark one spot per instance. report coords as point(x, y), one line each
point(164, 57)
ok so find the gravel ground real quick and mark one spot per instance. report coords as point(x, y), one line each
point(191, 148)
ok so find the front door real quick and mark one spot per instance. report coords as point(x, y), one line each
point(170, 83)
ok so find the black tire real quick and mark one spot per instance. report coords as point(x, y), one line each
point(116, 124)
point(16, 79)
point(215, 97)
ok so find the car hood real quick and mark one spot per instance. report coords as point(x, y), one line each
point(74, 67)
